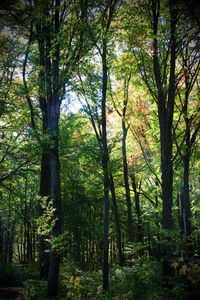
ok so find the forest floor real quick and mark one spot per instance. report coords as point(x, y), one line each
point(14, 293)
point(142, 280)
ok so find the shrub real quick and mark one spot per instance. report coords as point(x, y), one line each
point(35, 289)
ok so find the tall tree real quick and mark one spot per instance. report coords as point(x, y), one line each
point(187, 89)
point(159, 58)
point(125, 127)
point(95, 121)
point(165, 102)
point(51, 29)
point(47, 30)
point(109, 8)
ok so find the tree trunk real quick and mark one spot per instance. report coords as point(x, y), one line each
point(165, 104)
point(55, 193)
point(105, 166)
point(137, 208)
point(130, 230)
point(185, 194)
point(50, 108)
point(45, 170)
point(185, 200)
point(117, 222)
point(167, 177)
point(53, 108)
point(11, 243)
point(165, 113)
point(53, 120)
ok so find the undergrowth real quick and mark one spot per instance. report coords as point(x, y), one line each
point(141, 281)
